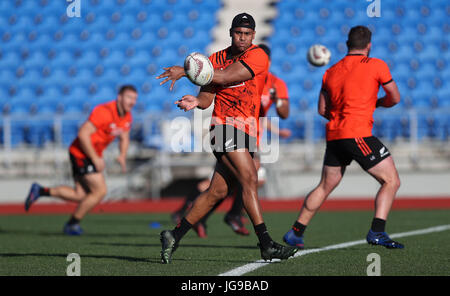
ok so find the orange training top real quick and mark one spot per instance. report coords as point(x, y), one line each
point(238, 104)
point(272, 81)
point(352, 85)
point(105, 117)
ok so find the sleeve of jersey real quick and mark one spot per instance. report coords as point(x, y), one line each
point(384, 75)
point(323, 82)
point(282, 90)
point(256, 62)
point(100, 117)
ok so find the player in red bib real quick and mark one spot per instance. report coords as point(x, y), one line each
point(106, 122)
point(239, 76)
point(348, 99)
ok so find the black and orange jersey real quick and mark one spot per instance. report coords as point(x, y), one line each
point(239, 104)
point(352, 86)
point(105, 117)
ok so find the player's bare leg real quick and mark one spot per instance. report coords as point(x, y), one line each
point(97, 191)
point(386, 174)
point(241, 164)
point(217, 190)
point(331, 177)
point(67, 193)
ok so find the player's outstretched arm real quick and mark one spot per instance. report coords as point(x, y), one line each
point(124, 143)
point(235, 73)
point(203, 100)
point(392, 96)
point(172, 73)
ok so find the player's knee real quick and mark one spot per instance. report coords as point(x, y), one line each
point(100, 193)
point(218, 193)
point(396, 182)
point(80, 195)
point(329, 184)
point(249, 180)
point(392, 181)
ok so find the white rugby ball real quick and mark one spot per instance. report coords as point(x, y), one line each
point(318, 55)
point(198, 69)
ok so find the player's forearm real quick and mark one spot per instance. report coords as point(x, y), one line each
point(124, 143)
point(282, 108)
point(386, 101)
point(233, 74)
point(205, 97)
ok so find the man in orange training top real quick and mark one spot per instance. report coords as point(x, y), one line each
point(348, 99)
point(239, 75)
point(275, 92)
point(105, 123)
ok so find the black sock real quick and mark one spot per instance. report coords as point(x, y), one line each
point(378, 225)
point(181, 229)
point(44, 191)
point(263, 235)
point(73, 221)
point(298, 228)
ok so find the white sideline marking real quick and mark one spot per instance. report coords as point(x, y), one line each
point(260, 263)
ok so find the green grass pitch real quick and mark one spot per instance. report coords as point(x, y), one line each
point(124, 244)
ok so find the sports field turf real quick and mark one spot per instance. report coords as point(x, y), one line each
point(124, 244)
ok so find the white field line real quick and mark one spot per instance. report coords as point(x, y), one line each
point(260, 263)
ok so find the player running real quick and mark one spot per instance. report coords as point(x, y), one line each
point(348, 99)
point(105, 123)
point(275, 92)
point(239, 76)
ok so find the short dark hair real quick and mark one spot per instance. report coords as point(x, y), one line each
point(126, 87)
point(359, 37)
point(265, 48)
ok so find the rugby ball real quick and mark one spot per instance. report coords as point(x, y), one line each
point(318, 55)
point(198, 69)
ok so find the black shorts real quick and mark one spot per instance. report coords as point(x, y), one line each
point(367, 151)
point(81, 166)
point(227, 138)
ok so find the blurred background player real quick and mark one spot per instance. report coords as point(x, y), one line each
point(239, 77)
point(106, 122)
point(348, 99)
point(275, 92)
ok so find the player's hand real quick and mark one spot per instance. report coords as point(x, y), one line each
point(171, 73)
point(273, 94)
point(99, 164)
point(187, 102)
point(122, 160)
point(285, 133)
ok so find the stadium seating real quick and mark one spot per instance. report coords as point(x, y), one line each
point(52, 65)
point(413, 40)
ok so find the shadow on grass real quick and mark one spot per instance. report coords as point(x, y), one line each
point(181, 246)
point(126, 258)
point(86, 234)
